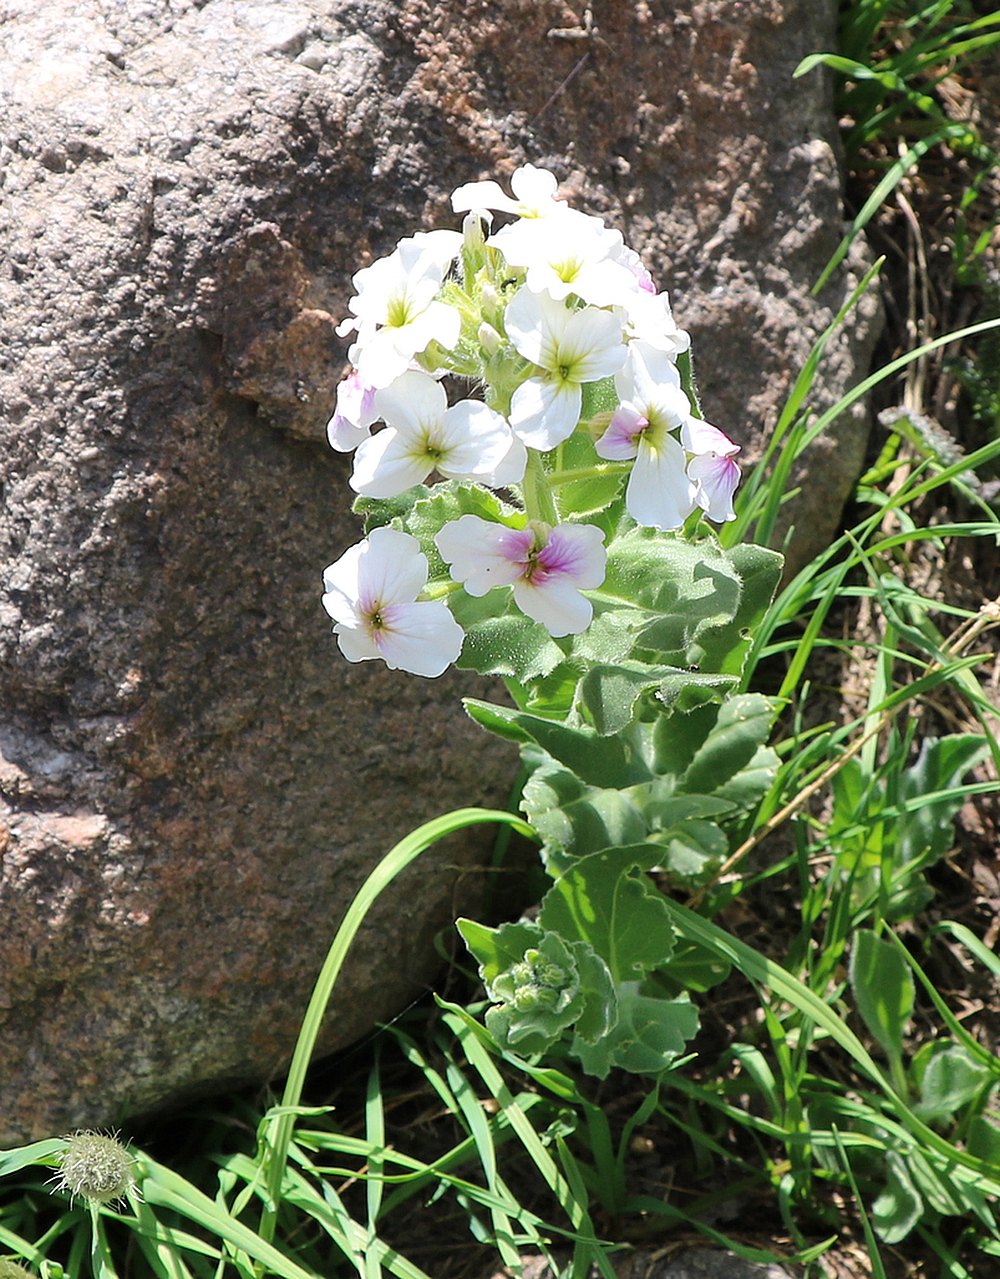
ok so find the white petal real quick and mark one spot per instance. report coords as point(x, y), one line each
point(393, 569)
point(591, 345)
point(544, 412)
point(386, 465)
point(659, 493)
point(356, 643)
point(380, 361)
point(535, 324)
point(422, 638)
point(412, 402)
point(511, 467)
point(482, 195)
point(474, 441)
point(341, 587)
point(534, 187)
point(558, 606)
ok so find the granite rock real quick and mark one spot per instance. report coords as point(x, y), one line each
point(192, 782)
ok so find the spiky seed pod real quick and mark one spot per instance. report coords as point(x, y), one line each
point(96, 1167)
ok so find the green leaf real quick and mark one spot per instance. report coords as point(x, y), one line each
point(609, 695)
point(607, 899)
point(693, 851)
point(500, 640)
point(596, 760)
point(575, 819)
point(951, 1079)
point(496, 949)
point(595, 493)
point(940, 766)
point(984, 1139)
point(899, 1207)
point(542, 985)
point(39, 1152)
point(742, 725)
point(759, 570)
point(650, 1034)
point(599, 397)
point(883, 990)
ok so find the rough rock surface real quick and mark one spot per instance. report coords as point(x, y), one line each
point(192, 783)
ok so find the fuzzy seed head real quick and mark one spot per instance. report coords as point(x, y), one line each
point(11, 1269)
point(96, 1167)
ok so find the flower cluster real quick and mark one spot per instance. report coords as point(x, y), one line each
point(557, 326)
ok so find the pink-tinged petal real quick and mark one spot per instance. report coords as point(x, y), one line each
point(412, 402)
point(422, 638)
point(716, 479)
point(620, 441)
point(557, 605)
point(544, 412)
point(385, 465)
point(353, 415)
point(575, 553)
point(701, 437)
point(392, 570)
point(483, 555)
point(659, 493)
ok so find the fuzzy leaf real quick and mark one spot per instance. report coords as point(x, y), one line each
point(606, 899)
point(883, 989)
point(650, 1034)
point(899, 1207)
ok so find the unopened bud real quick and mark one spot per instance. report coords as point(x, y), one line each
point(489, 339)
point(472, 230)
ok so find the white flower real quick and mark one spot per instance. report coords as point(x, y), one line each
point(534, 190)
point(396, 312)
point(466, 442)
point(371, 593)
point(659, 493)
point(649, 319)
point(572, 254)
point(712, 468)
point(548, 568)
point(569, 348)
point(353, 415)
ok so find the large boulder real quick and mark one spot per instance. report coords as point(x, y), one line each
point(192, 782)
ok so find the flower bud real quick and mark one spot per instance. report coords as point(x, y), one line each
point(96, 1167)
point(489, 339)
point(472, 231)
